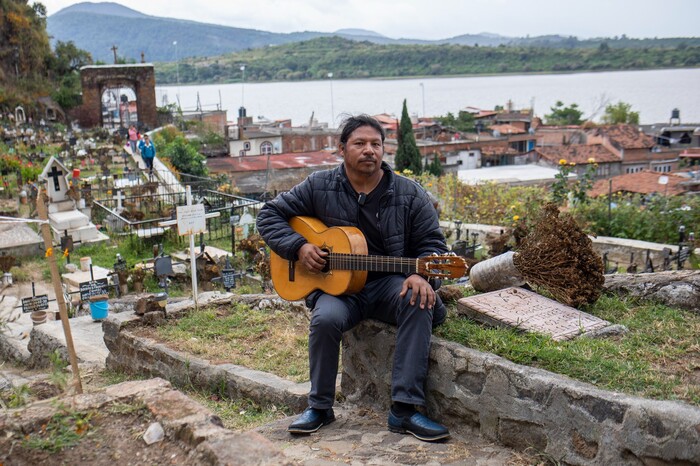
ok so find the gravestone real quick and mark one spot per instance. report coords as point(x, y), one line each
point(64, 215)
point(247, 223)
point(522, 309)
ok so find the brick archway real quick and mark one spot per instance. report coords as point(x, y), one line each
point(139, 77)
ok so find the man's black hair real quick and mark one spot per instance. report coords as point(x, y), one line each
point(351, 123)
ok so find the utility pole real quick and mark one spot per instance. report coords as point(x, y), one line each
point(58, 289)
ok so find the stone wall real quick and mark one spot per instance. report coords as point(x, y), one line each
point(136, 355)
point(523, 407)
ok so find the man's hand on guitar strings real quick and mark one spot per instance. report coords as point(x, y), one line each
point(420, 288)
point(312, 257)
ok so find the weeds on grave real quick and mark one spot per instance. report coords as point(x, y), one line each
point(117, 407)
point(63, 430)
point(58, 376)
point(15, 397)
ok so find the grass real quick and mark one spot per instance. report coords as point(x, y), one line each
point(657, 359)
point(63, 430)
point(269, 341)
point(238, 415)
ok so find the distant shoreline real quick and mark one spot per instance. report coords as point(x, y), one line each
point(446, 76)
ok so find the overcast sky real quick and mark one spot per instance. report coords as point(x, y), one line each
point(436, 19)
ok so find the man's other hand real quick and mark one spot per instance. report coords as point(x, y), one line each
point(421, 290)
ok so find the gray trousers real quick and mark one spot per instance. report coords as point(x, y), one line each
point(333, 315)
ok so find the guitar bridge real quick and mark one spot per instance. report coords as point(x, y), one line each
point(291, 270)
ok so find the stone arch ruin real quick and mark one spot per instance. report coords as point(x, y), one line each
point(132, 80)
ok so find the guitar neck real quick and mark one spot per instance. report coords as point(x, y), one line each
point(371, 263)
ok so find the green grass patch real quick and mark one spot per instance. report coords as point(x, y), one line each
point(238, 415)
point(267, 340)
point(659, 358)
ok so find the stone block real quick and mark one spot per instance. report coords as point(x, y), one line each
point(68, 220)
point(522, 309)
point(61, 206)
point(522, 435)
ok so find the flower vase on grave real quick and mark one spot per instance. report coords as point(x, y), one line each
point(39, 317)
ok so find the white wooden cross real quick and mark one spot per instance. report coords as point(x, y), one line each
point(119, 197)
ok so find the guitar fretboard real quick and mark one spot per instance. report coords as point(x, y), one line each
point(371, 263)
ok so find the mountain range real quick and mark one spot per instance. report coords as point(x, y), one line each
point(97, 27)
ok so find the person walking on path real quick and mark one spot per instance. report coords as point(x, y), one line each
point(148, 152)
point(397, 218)
point(133, 138)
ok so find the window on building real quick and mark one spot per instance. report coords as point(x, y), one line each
point(266, 148)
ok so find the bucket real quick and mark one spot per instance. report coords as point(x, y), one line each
point(99, 310)
point(85, 264)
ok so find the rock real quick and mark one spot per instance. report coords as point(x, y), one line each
point(154, 433)
point(677, 288)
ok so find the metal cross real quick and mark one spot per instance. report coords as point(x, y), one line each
point(55, 173)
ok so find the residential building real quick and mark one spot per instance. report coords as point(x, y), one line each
point(257, 174)
point(636, 150)
point(581, 156)
point(644, 182)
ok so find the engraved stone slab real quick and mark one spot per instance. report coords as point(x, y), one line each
point(528, 311)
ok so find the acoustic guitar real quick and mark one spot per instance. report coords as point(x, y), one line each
point(347, 263)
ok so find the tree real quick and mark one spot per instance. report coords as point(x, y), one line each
point(463, 122)
point(620, 112)
point(68, 58)
point(185, 157)
point(434, 167)
point(562, 115)
point(407, 153)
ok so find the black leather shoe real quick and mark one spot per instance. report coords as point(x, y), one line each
point(419, 426)
point(311, 420)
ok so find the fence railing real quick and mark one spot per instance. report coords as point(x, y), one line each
point(141, 213)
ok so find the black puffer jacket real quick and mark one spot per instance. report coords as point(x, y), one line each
point(408, 220)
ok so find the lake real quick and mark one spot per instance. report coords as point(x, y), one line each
point(652, 93)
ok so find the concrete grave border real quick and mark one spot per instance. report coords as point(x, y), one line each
point(183, 420)
point(133, 354)
point(517, 406)
point(524, 407)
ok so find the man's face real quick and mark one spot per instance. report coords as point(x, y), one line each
point(363, 152)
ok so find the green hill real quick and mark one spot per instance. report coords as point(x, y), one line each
point(347, 59)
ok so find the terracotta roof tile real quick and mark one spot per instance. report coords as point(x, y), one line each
point(645, 182)
point(625, 136)
point(577, 153)
point(320, 159)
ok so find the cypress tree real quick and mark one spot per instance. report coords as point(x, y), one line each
point(435, 167)
point(407, 154)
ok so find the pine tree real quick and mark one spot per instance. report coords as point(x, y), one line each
point(435, 167)
point(407, 153)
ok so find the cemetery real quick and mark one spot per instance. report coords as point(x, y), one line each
point(164, 276)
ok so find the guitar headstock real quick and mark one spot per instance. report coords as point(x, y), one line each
point(441, 266)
